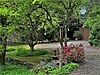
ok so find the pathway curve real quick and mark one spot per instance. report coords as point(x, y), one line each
point(55, 45)
point(92, 66)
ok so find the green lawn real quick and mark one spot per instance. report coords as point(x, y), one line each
point(34, 59)
point(18, 46)
point(11, 69)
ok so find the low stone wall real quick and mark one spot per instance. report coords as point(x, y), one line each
point(21, 62)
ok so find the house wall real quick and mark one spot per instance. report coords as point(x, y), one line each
point(85, 33)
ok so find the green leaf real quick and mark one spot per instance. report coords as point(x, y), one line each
point(34, 2)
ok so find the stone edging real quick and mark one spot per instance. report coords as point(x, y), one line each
point(21, 62)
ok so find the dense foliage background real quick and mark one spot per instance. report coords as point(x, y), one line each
point(93, 21)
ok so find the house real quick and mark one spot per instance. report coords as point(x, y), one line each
point(76, 26)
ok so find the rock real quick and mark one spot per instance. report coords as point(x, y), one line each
point(42, 63)
point(21, 62)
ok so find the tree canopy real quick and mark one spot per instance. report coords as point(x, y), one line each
point(33, 18)
point(93, 21)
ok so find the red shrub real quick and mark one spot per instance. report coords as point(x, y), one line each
point(73, 53)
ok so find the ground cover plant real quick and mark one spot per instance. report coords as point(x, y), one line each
point(10, 49)
point(11, 69)
point(44, 70)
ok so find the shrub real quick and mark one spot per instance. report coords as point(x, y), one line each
point(94, 38)
point(95, 42)
point(25, 52)
point(66, 69)
point(10, 49)
point(77, 34)
point(73, 53)
point(45, 70)
point(48, 58)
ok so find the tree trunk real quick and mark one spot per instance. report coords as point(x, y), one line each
point(65, 36)
point(65, 43)
point(4, 44)
point(60, 56)
point(60, 41)
point(32, 47)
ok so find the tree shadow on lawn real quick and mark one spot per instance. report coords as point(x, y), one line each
point(32, 59)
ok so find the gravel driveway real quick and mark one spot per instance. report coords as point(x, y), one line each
point(92, 66)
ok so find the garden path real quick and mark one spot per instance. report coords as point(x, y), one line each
point(55, 45)
point(92, 66)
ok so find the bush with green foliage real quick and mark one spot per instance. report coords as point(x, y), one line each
point(94, 38)
point(65, 69)
point(77, 35)
point(93, 21)
point(48, 58)
point(25, 52)
point(56, 71)
point(10, 49)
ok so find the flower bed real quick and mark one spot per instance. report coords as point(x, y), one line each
point(48, 70)
point(73, 53)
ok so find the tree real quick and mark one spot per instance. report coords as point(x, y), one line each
point(32, 21)
point(93, 23)
point(7, 24)
point(70, 10)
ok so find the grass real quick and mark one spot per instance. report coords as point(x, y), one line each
point(11, 69)
point(33, 59)
point(19, 46)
